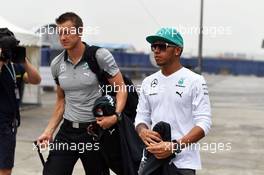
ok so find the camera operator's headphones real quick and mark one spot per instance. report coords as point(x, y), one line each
point(8, 42)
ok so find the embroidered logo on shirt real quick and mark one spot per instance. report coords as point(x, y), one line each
point(205, 89)
point(62, 67)
point(85, 66)
point(154, 83)
point(181, 82)
point(180, 94)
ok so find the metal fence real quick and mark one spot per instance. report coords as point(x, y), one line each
point(138, 64)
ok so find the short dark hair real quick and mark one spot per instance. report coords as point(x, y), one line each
point(70, 16)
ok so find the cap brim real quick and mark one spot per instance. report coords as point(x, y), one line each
point(153, 38)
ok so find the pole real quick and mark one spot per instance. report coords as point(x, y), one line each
point(200, 51)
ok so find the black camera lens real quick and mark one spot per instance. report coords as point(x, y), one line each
point(9, 47)
point(8, 42)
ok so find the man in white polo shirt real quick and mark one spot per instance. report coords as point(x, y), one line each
point(176, 96)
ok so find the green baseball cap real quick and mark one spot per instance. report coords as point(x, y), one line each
point(170, 35)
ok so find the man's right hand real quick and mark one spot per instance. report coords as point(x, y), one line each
point(44, 139)
point(149, 137)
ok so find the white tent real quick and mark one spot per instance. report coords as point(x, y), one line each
point(31, 41)
point(27, 38)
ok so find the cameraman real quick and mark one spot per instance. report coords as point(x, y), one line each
point(15, 69)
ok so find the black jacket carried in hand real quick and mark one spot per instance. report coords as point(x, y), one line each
point(122, 147)
point(151, 165)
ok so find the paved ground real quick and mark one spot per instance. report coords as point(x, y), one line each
point(237, 131)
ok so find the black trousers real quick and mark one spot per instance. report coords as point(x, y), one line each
point(71, 144)
point(171, 169)
point(7, 145)
point(111, 149)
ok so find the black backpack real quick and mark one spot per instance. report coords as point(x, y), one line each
point(132, 95)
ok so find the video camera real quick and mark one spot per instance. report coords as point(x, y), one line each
point(9, 49)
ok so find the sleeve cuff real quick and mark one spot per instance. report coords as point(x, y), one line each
point(205, 127)
point(203, 122)
point(137, 122)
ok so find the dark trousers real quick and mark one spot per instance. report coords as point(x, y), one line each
point(171, 169)
point(111, 149)
point(69, 145)
point(7, 145)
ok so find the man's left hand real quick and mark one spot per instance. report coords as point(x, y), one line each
point(161, 150)
point(106, 122)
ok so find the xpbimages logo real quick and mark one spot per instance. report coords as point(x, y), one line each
point(53, 30)
point(168, 31)
point(119, 88)
point(212, 147)
point(210, 31)
point(58, 146)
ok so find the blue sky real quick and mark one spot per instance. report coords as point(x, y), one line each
point(232, 25)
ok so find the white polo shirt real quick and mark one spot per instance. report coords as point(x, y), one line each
point(180, 99)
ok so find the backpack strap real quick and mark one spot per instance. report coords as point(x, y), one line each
point(90, 57)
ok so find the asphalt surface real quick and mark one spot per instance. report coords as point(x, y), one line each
point(233, 146)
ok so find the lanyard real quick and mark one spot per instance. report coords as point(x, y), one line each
point(12, 73)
